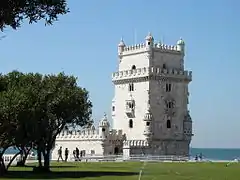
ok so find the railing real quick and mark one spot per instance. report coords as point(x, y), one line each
point(101, 158)
point(7, 158)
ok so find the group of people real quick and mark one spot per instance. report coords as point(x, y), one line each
point(77, 154)
point(199, 157)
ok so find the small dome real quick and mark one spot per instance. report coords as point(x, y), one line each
point(92, 127)
point(104, 122)
point(149, 37)
point(188, 117)
point(121, 44)
point(148, 116)
point(180, 42)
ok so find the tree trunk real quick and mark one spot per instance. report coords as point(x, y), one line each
point(9, 164)
point(22, 162)
point(47, 160)
point(3, 169)
point(41, 168)
point(39, 156)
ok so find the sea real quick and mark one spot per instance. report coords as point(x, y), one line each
point(215, 154)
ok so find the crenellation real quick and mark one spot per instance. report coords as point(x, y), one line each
point(141, 72)
point(156, 46)
point(166, 47)
point(141, 48)
point(88, 134)
point(134, 47)
point(140, 143)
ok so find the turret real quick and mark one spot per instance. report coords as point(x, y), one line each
point(159, 44)
point(148, 120)
point(149, 40)
point(187, 126)
point(121, 46)
point(104, 126)
point(181, 45)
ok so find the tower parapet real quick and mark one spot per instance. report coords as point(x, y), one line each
point(143, 72)
point(86, 135)
point(125, 50)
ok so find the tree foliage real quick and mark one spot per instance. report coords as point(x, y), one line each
point(13, 12)
point(35, 108)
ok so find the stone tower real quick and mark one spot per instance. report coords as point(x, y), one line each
point(150, 104)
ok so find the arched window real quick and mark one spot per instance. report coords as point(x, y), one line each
point(170, 105)
point(133, 67)
point(168, 87)
point(164, 66)
point(130, 105)
point(130, 123)
point(103, 129)
point(168, 124)
point(131, 87)
point(116, 150)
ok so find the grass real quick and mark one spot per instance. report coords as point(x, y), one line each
point(130, 171)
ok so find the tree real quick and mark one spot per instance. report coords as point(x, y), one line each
point(64, 103)
point(14, 113)
point(13, 12)
point(34, 109)
point(12, 104)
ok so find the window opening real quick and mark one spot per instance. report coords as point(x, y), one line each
point(130, 123)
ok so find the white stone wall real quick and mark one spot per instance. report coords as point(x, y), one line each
point(139, 60)
point(121, 120)
point(171, 60)
point(88, 146)
point(157, 89)
point(93, 142)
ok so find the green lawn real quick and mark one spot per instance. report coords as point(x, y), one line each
point(130, 171)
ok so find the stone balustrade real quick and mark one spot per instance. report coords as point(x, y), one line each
point(142, 72)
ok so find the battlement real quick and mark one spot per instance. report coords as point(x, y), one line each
point(138, 48)
point(143, 72)
point(88, 134)
point(131, 143)
point(134, 47)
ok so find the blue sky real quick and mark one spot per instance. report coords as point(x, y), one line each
point(84, 43)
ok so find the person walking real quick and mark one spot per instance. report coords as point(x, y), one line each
point(60, 154)
point(74, 155)
point(77, 154)
point(66, 154)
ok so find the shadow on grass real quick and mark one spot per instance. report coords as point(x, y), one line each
point(64, 174)
point(63, 166)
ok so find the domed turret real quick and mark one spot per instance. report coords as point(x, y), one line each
point(92, 127)
point(180, 42)
point(149, 41)
point(121, 46)
point(104, 121)
point(104, 126)
point(188, 117)
point(148, 118)
point(180, 45)
point(159, 44)
point(149, 37)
